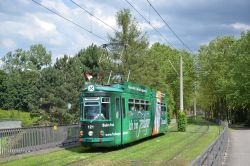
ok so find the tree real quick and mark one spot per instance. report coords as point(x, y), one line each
point(128, 45)
point(38, 57)
point(224, 84)
point(35, 58)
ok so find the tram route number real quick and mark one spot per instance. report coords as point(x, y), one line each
point(91, 126)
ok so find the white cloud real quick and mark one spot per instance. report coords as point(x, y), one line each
point(58, 6)
point(44, 25)
point(8, 43)
point(240, 26)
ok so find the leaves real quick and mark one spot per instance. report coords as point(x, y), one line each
point(224, 76)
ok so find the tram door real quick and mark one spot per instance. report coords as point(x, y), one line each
point(118, 121)
point(120, 116)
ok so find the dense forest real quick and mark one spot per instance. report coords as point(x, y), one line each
point(218, 75)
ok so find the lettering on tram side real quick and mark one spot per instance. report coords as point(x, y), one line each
point(108, 125)
point(144, 123)
point(137, 89)
point(115, 134)
point(140, 126)
point(112, 134)
point(132, 125)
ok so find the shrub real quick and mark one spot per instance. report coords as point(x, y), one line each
point(182, 121)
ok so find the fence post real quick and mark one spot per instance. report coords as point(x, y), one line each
point(214, 153)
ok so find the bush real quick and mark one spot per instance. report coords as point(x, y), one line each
point(182, 121)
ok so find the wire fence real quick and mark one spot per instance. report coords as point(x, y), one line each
point(214, 154)
point(22, 140)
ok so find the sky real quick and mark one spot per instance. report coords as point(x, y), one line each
point(196, 22)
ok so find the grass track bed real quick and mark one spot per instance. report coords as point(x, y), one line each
point(172, 148)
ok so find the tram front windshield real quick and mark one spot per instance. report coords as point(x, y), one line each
point(97, 110)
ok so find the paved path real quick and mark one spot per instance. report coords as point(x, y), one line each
point(238, 153)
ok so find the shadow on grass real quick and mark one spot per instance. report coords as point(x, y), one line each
point(82, 149)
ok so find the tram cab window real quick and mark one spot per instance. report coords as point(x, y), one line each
point(96, 109)
point(91, 110)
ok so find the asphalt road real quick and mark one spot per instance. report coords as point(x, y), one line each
point(238, 153)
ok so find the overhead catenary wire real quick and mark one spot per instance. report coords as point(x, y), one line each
point(149, 23)
point(76, 24)
point(169, 26)
point(92, 15)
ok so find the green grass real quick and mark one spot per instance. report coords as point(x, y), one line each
point(2, 142)
point(176, 148)
point(17, 115)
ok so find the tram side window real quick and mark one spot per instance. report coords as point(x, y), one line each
point(131, 104)
point(105, 110)
point(137, 105)
point(142, 105)
point(147, 106)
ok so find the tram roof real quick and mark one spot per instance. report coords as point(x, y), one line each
point(126, 87)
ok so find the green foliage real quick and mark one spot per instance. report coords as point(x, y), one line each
point(34, 59)
point(17, 115)
point(130, 45)
point(224, 66)
point(182, 121)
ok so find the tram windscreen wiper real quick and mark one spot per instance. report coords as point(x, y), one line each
point(97, 117)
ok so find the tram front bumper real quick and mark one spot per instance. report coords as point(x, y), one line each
point(105, 139)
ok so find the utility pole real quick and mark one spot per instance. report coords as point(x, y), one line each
point(181, 82)
point(181, 86)
point(195, 101)
point(195, 107)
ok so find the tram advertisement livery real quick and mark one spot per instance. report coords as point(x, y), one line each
point(118, 114)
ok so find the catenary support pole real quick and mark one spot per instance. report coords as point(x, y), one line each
point(181, 86)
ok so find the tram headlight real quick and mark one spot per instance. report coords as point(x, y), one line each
point(90, 133)
point(81, 133)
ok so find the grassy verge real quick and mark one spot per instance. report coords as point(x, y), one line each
point(17, 115)
point(172, 148)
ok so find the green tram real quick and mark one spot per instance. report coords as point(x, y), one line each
point(120, 113)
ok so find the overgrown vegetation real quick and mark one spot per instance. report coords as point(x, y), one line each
point(224, 67)
point(17, 115)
